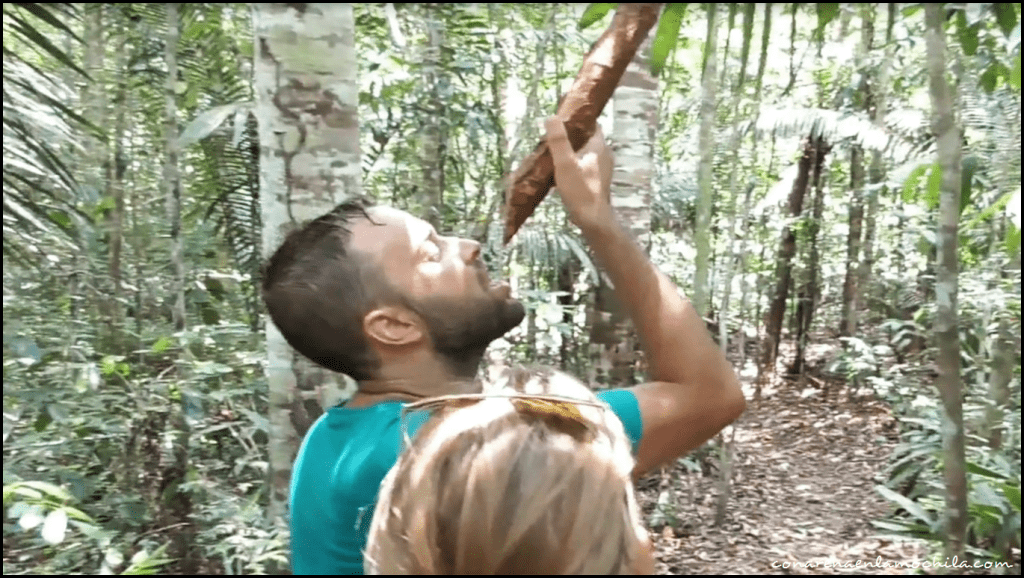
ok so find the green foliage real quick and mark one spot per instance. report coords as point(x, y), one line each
point(595, 13)
point(827, 12)
point(667, 36)
point(914, 475)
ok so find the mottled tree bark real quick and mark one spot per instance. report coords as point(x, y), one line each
point(306, 98)
point(434, 120)
point(854, 241)
point(177, 504)
point(702, 232)
point(602, 68)
point(635, 115)
point(948, 144)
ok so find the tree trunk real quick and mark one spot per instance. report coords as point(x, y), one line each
point(807, 296)
point(745, 221)
point(814, 153)
point(602, 68)
point(306, 98)
point(434, 120)
point(948, 143)
point(851, 290)
point(116, 164)
point(177, 504)
point(876, 172)
point(702, 233)
point(635, 114)
point(727, 453)
point(734, 164)
point(1004, 348)
point(172, 176)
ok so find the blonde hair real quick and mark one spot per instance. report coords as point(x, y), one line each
point(505, 487)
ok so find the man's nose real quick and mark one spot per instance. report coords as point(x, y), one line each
point(470, 250)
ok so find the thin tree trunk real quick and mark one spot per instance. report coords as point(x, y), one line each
point(744, 222)
point(432, 160)
point(116, 167)
point(876, 172)
point(727, 447)
point(808, 294)
point(851, 290)
point(948, 144)
point(172, 177)
point(787, 249)
point(734, 163)
point(702, 233)
point(177, 503)
point(1003, 349)
point(309, 162)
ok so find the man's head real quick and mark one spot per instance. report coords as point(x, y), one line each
point(364, 287)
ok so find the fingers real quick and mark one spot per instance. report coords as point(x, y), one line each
point(558, 141)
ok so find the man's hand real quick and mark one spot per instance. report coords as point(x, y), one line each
point(583, 179)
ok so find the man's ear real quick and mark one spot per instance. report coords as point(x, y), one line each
point(393, 326)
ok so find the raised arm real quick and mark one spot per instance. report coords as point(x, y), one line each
point(695, 392)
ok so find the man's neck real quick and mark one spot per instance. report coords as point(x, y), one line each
point(372, 392)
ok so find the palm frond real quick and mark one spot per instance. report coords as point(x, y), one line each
point(838, 128)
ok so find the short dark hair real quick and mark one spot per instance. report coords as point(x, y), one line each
point(317, 291)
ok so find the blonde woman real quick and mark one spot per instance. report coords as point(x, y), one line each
point(532, 476)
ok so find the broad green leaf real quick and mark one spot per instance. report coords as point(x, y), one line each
point(55, 527)
point(911, 9)
point(826, 13)
point(933, 191)
point(1006, 16)
point(990, 78)
point(983, 471)
point(968, 166)
point(667, 36)
point(1012, 494)
point(906, 503)
point(57, 492)
point(594, 13)
point(913, 180)
point(1014, 78)
point(161, 345)
point(1012, 241)
point(42, 422)
point(968, 34)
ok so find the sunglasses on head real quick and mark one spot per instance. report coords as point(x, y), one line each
point(560, 413)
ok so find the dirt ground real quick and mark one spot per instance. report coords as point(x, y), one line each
point(806, 460)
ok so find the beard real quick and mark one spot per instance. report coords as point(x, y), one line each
point(462, 329)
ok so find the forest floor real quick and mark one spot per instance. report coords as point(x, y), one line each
point(806, 460)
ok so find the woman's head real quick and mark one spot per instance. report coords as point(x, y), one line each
point(506, 485)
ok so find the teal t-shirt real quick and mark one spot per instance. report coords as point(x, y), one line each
point(340, 467)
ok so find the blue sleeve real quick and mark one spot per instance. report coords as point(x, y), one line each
point(623, 402)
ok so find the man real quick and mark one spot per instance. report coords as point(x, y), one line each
point(377, 294)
